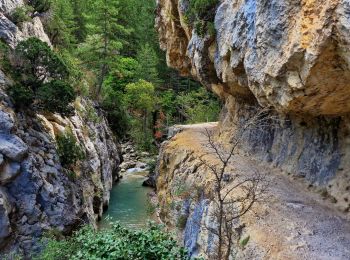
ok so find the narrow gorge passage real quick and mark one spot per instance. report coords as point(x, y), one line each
point(129, 204)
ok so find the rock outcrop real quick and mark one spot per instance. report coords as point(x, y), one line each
point(291, 222)
point(291, 57)
point(37, 195)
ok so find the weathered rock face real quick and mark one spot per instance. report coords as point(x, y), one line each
point(290, 222)
point(12, 34)
point(289, 56)
point(292, 55)
point(36, 194)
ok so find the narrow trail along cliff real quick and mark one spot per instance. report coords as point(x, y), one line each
point(291, 222)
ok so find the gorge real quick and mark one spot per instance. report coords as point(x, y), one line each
point(281, 70)
point(292, 58)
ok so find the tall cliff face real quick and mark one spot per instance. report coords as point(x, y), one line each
point(293, 58)
point(36, 193)
point(292, 55)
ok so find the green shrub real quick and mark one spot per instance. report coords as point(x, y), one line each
point(21, 14)
point(68, 149)
point(38, 63)
point(201, 15)
point(56, 96)
point(41, 6)
point(116, 243)
point(181, 221)
point(22, 97)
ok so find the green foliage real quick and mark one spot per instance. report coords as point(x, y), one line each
point(41, 6)
point(56, 96)
point(5, 63)
point(199, 106)
point(21, 14)
point(141, 134)
point(38, 63)
point(243, 243)
point(148, 61)
point(68, 149)
point(41, 75)
point(181, 221)
point(116, 243)
point(113, 103)
point(22, 96)
point(60, 24)
point(201, 15)
point(140, 96)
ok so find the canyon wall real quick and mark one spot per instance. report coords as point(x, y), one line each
point(290, 57)
point(37, 195)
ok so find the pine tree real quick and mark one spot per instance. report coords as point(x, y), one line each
point(148, 62)
point(103, 44)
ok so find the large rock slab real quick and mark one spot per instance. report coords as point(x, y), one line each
point(13, 147)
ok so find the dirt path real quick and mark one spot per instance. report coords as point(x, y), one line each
point(293, 223)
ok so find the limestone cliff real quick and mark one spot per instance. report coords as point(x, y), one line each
point(293, 58)
point(36, 193)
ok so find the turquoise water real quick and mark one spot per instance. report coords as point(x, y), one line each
point(129, 203)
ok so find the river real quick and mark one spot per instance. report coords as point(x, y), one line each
point(129, 203)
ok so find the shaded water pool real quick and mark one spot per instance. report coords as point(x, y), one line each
point(129, 203)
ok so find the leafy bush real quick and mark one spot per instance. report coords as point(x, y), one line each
point(37, 63)
point(56, 96)
point(21, 14)
point(22, 97)
point(41, 76)
point(41, 6)
point(200, 14)
point(181, 221)
point(199, 106)
point(69, 150)
point(116, 243)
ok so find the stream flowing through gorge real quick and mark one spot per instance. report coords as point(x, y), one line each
point(129, 203)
